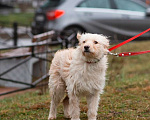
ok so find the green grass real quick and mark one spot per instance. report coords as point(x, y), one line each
point(126, 96)
point(24, 19)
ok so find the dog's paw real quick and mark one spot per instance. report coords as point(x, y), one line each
point(51, 117)
point(92, 119)
point(66, 115)
point(75, 119)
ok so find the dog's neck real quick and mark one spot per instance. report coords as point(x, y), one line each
point(92, 61)
point(96, 60)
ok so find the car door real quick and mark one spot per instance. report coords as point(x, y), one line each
point(98, 16)
point(133, 18)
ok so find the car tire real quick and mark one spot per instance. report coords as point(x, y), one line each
point(71, 32)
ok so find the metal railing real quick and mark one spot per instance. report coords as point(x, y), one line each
point(42, 41)
point(32, 53)
point(13, 32)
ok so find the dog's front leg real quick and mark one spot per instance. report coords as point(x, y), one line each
point(74, 107)
point(92, 101)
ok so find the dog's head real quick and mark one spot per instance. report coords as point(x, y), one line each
point(93, 45)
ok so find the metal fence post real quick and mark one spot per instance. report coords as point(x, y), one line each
point(32, 50)
point(15, 33)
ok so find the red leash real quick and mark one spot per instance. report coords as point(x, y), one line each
point(124, 54)
point(128, 53)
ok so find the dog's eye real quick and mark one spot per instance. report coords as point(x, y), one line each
point(95, 42)
point(83, 41)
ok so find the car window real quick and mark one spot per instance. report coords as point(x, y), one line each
point(129, 5)
point(52, 3)
point(95, 4)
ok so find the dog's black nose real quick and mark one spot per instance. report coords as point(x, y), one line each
point(86, 48)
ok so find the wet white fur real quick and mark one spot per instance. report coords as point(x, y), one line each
point(79, 74)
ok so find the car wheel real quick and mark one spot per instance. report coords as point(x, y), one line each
point(69, 34)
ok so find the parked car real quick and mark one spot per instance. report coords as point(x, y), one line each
point(118, 19)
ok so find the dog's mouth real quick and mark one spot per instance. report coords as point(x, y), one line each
point(87, 51)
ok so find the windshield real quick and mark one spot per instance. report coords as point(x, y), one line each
point(52, 3)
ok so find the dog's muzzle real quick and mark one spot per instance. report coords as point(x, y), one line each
point(86, 48)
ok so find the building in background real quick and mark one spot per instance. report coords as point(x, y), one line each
point(36, 3)
point(29, 5)
point(22, 3)
point(5, 9)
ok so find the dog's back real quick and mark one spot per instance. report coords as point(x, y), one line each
point(61, 63)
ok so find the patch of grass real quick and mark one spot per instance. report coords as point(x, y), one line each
point(24, 19)
point(126, 96)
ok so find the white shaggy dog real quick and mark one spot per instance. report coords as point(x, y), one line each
point(79, 72)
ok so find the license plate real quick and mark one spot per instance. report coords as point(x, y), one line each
point(40, 18)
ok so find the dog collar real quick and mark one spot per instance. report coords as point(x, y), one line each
point(96, 61)
point(91, 62)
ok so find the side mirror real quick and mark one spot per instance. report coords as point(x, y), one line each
point(148, 12)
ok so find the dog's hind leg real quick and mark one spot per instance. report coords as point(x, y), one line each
point(57, 93)
point(66, 107)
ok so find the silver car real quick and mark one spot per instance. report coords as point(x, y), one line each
point(119, 19)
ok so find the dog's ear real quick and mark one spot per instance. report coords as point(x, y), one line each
point(106, 42)
point(78, 36)
point(106, 45)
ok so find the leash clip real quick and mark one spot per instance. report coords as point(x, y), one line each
point(114, 54)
